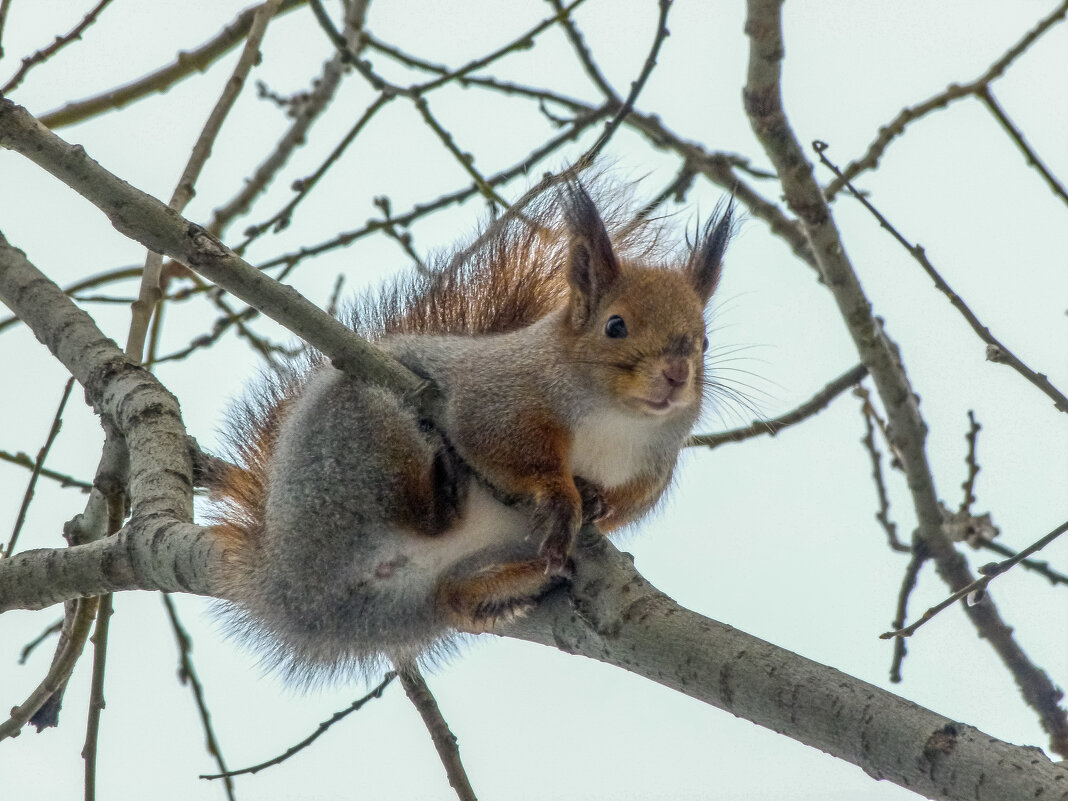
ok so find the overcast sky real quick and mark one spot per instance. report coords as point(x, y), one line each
point(776, 537)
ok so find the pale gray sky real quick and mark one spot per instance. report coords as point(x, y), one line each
point(775, 537)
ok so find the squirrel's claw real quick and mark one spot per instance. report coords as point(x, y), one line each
point(594, 505)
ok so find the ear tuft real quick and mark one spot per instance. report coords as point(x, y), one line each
point(592, 266)
point(706, 260)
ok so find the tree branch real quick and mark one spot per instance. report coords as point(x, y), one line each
point(415, 687)
point(162, 79)
point(763, 103)
point(812, 406)
point(615, 616)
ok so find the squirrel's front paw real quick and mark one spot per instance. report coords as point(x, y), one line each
point(594, 505)
point(556, 551)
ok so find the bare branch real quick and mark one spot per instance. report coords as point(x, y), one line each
point(1017, 136)
point(162, 79)
point(161, 229)
point(96, 693)
point(978, 587)
point(38, 466)
point(888, 133)
point(120, 274)
point(150, 292)
point(522, 42)
point(520, 168)
point(23, 460)
point(883, 515)
point(635, 88)
point(309, 111)
point(355, 706)
point(614, 615)
point(465, 160)
point(1035, 565)
point(46, 53)
point(812, 406)
point(5, 6)
point(303, 186)
point(31, 646)
point(422, 699)
point(584, 54)
point(187, 675)
point(908, 584)
point(996, 351)
point(973, 467)
point(70, 648)
point(763, 103)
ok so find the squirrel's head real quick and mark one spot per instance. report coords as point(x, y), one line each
point(638, 331)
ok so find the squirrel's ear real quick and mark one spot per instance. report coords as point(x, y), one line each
point(706, 260)
point(592, 266)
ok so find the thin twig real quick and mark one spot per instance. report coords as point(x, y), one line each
point(23, 460)
point(635, 88)
point(883, 515)
point(326, 724)
point(38, 466)
point(908, 584)
point(5, 6)
point(524, 41)
point(990, 572)
point(422, 699)
point(896, 127)
point(335, 295)
point(520, 168)
point(150, 293)
point(402, 238)
point(465, 160)
point(1017, 136)
point(31, 646)
point(1040, 567)
point(996, 351)
point(96, 695)
point(813, 405)
point(187, 675)
point(67, 653)
point(677, 190)
point(46, 53)
point(973, 467)
point(317, 100)
point(218, 328)
point(303, 186)
point(116, 509)
point(162, 79)
point(583, 53)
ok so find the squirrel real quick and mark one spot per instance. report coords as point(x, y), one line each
point(570, 366)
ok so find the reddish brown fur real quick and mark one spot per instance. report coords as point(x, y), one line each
point(240, 489)
point(511, 276)
point(475, 604)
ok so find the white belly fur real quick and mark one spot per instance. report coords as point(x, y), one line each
point(611, 449)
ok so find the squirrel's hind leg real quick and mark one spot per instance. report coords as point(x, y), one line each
point(495, 594)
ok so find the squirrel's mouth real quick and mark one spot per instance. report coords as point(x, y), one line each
point(672, 400)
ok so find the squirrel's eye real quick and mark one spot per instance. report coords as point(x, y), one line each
point(704, 346)
point(615, 328)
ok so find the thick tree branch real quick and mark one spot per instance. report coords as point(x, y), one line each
point(615, 616)
point(159, 548)
point(159, 228)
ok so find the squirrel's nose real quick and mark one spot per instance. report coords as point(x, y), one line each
point(676, 371)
